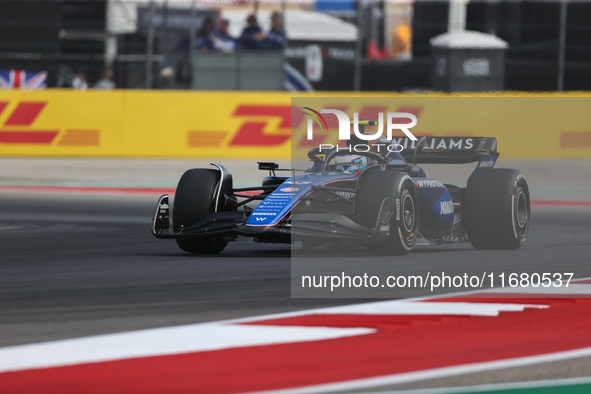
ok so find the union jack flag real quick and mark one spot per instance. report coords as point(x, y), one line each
point(21, 79)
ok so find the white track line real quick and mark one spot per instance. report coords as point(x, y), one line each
point(159, 342)
point(402, 307)
point(428, 308)
point(432, 373)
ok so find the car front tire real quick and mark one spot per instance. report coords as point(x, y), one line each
point(193, 201)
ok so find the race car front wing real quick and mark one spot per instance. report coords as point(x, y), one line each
point(305, 226)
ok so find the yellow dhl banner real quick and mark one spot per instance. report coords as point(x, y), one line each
point(125, 123)
point(144, 124)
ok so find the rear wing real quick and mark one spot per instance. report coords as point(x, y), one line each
point(449, 150)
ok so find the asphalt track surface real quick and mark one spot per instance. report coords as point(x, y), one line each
point(77, 264)
point(80, 264)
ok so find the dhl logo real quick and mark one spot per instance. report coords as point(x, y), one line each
point(271, 126)
point(17, 128)
point(264, 125)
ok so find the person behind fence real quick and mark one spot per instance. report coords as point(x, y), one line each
point(276, 36)
point(79, 82)
point(203, 41)
point(252, 36)
point(222, 41)
point(105, 82)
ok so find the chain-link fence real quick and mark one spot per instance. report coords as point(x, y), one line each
point(324, 44)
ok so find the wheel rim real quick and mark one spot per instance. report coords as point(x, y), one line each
point(408, 212)
point(521, 212)
point(521, 209)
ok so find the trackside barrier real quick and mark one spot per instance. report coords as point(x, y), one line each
point(207, 124)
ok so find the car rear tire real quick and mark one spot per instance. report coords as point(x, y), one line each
point(193, 201)
point(496, 209)
point(404, 221)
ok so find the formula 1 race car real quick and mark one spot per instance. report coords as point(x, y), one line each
point(382, 201)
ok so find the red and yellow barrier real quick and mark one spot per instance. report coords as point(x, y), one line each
point(144, 124)
point(126, 123)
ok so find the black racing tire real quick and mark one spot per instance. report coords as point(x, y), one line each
point(193, 201)
point(496, 209)
point(374, 187)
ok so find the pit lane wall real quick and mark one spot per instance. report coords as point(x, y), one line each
point(257, 125)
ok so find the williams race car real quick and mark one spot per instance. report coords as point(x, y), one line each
point(382, 201)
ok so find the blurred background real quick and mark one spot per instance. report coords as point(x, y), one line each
point(106, 103)
point(369, 45)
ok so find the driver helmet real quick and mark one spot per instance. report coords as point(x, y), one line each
point(351, 163)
